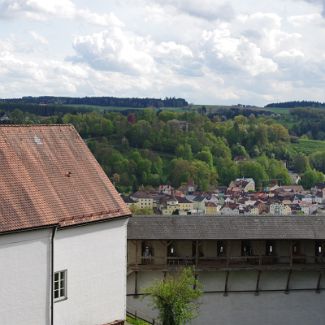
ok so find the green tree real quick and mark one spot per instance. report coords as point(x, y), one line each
point(255, 170)
point(180, 171)
point(278, 132)
point(311, 177)
point(227, 171)
point(140, 211)
point(300, 163)
point(275, 169)
point(206, 156)
point(17, 116)
point(184, 151)
point(220, 149)
point(176, 297)
point(202, 174)
point(239, 150)
point(318, 160)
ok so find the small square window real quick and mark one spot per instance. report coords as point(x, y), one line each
point(60, 285)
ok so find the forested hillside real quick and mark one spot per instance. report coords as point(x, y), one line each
point(99, 101)
point(149, 146)
point(295, 104)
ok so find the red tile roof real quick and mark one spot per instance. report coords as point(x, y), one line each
point(49, 176)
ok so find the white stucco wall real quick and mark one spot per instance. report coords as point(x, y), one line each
point(95, 259)
point(25, 278)
point(245, 308)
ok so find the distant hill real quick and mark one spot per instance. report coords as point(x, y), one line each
point(296, 104)
point(99, 101)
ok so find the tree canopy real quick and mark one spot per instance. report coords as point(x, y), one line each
point(176, 297)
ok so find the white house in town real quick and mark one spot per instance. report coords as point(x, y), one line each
point(62, 231)
point(279, 209)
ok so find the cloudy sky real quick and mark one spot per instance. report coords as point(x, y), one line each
point(206, 51)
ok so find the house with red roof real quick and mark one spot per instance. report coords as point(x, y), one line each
point(63, 230)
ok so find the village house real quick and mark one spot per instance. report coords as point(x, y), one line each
point(230, 209)
point(291, 188)
point(63, 229)
point(281, 200)
point(188, 188)
point(169, 205)
point(166, 189)
point(319, 191)
point(242, 185)
point(280, 209)
point(143, 199)
point(129, 201)
point(184, 205)
point(199, 203)
point(308, 208)
point(258, 208)
point(212, 208)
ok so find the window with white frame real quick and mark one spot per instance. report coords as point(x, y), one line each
point(60, 285)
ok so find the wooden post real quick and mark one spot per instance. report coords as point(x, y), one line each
point(257, 289)
point(291, 258)
point(136, 253)
point(165, 250)
point(136, 283)
point(196, 253)
point(318, 282)
point(228, 251)
point(225, 293)
point(195, 277)
point(288, 282)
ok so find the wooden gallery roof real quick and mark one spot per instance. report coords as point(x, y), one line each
point(48, 176)
point(226, 227)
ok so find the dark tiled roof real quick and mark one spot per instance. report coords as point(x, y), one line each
point(320, 186)
point(226, 227)
point(49, 176)
point(127, 199)
point(182, 199)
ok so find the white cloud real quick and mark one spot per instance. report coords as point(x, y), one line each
point(32, 77)
point(114, 50)
point(318, 2)
point(206, 9)
point(302, 20)
point(98, 19)
point(293, 53)
point(260, 20)
point(121, 51)
point(45, 9)
point(37, 9)
point(267, 31)
point(228, 53)
point(38, 37)
point(207, 52)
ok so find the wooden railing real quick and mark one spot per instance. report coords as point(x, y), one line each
point(230, 261)
point(139, 316)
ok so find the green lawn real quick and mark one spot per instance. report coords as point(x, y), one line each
point(133, 321)
point(118, 109)
point(278, 110)
point(308, 146)
point(102, 108)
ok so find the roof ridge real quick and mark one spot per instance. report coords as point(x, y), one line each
point(36, 125)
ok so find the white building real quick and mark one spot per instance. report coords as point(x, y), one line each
point(143, 200)
point(280, 209)
point(62, 231)
point(243, 184)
